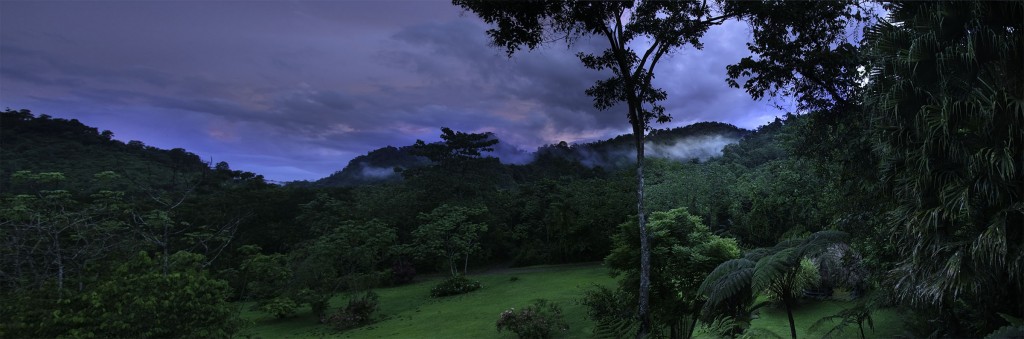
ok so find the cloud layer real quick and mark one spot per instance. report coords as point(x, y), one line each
point(294, 90)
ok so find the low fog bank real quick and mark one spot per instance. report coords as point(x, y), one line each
point(701, 148)
point(372, 172)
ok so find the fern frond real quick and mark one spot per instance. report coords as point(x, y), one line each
point(770, 269)
point(726, 280)
point(1007, 332)
point(853, 316)
point(615, 328)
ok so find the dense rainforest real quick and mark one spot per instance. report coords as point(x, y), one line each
point(900, 181)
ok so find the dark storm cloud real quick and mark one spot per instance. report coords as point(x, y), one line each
point(293, 90)
point(538, 95)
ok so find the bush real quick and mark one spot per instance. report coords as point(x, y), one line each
point(453, 286)
point(358, 312)
point(611, 312)
point(539, 320)
point(280, 307)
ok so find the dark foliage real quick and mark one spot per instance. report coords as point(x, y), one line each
point(358, 312)
point(402, 272)
point(454, 286)
point(540, 320)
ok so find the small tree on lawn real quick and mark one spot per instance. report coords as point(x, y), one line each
point(450, 233)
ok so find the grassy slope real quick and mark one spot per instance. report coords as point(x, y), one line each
point(409, 312)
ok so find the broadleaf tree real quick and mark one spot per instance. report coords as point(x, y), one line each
point(639, 35)
point(451, 233)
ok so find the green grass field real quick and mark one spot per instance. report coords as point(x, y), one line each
point(409, 311)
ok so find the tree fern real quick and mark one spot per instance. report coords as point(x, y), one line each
point(773, 268)
point(727, 280)
point(775, 271)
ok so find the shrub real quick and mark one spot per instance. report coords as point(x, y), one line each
point(611, 312)
point(318, 303)
point(358, 312)
point(539, 320)
point(280, 307)
point(453, 286)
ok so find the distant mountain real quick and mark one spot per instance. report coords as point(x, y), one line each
point(46, 144)
point(699, 141)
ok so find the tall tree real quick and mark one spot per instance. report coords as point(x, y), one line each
point(659, 26)
point(462, 172)
point(946, 93)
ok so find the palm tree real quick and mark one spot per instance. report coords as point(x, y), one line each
point(946, 93)
point(774, 270)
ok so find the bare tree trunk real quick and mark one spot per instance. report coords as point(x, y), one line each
point(59, 260)
point(60, 275)
point(693, 325)
point(167, 262)
point(453, 262)
point(645, 246)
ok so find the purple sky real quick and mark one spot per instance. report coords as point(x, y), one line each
point(295, 89)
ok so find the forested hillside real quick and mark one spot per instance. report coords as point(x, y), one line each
point(700, 141)
point(558, 208)
point(897, 187)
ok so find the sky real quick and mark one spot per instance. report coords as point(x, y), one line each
point(293, 90)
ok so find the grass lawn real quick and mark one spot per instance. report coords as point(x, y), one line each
point(409, 311)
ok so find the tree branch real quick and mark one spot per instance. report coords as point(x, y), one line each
point(640, 66)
